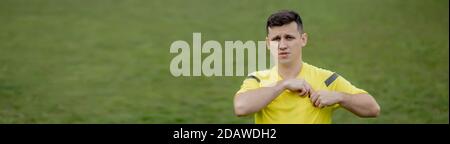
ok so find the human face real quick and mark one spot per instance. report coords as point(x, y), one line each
point(286, 43)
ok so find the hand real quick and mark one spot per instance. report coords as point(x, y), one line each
point(323, 98)
point(298, 85)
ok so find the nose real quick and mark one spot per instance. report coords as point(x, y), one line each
point(282, 45)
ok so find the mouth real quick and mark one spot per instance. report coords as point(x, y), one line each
point(283, 54)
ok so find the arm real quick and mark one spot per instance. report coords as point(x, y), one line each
point(362, 105)
point(254, 100)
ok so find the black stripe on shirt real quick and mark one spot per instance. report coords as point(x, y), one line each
point(331, 79)
point(254, 77)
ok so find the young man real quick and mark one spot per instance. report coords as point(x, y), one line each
point(294, 91)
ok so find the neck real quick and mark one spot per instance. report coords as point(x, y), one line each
point(292, 70)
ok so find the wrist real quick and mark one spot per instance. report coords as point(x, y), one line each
point(281, 85)
point(341, 97)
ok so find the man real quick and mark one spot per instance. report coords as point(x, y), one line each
point(294, 91)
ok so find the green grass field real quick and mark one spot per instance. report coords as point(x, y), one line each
point(98, 61)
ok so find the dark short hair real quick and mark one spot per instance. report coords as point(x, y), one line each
point(283, 17)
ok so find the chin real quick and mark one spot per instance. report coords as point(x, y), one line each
point(284, 61)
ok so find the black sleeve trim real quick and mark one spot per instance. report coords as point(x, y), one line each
point(331, 79)
point(254, 77)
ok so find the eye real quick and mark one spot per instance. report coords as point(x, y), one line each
point(289, 37)
point(277, 38)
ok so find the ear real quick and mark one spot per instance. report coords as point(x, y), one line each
point(304, 39)
point(267, 43)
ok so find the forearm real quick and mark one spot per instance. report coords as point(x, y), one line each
point(363, 105)
point(254, 100)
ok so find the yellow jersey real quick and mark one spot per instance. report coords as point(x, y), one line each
point(290, 108)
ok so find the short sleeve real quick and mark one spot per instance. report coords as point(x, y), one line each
point(342, 85)
point(250, 83)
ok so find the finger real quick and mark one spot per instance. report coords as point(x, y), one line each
point(314, 97)
point(321, 105)
point(309, 90)
point(305, 88)
point(317, 103)
point(302, 92)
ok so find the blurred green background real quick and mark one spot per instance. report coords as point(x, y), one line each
point(107, 61)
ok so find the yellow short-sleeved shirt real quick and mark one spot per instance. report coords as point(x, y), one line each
point(288, 107)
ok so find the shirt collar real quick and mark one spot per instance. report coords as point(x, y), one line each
point(274, 76)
